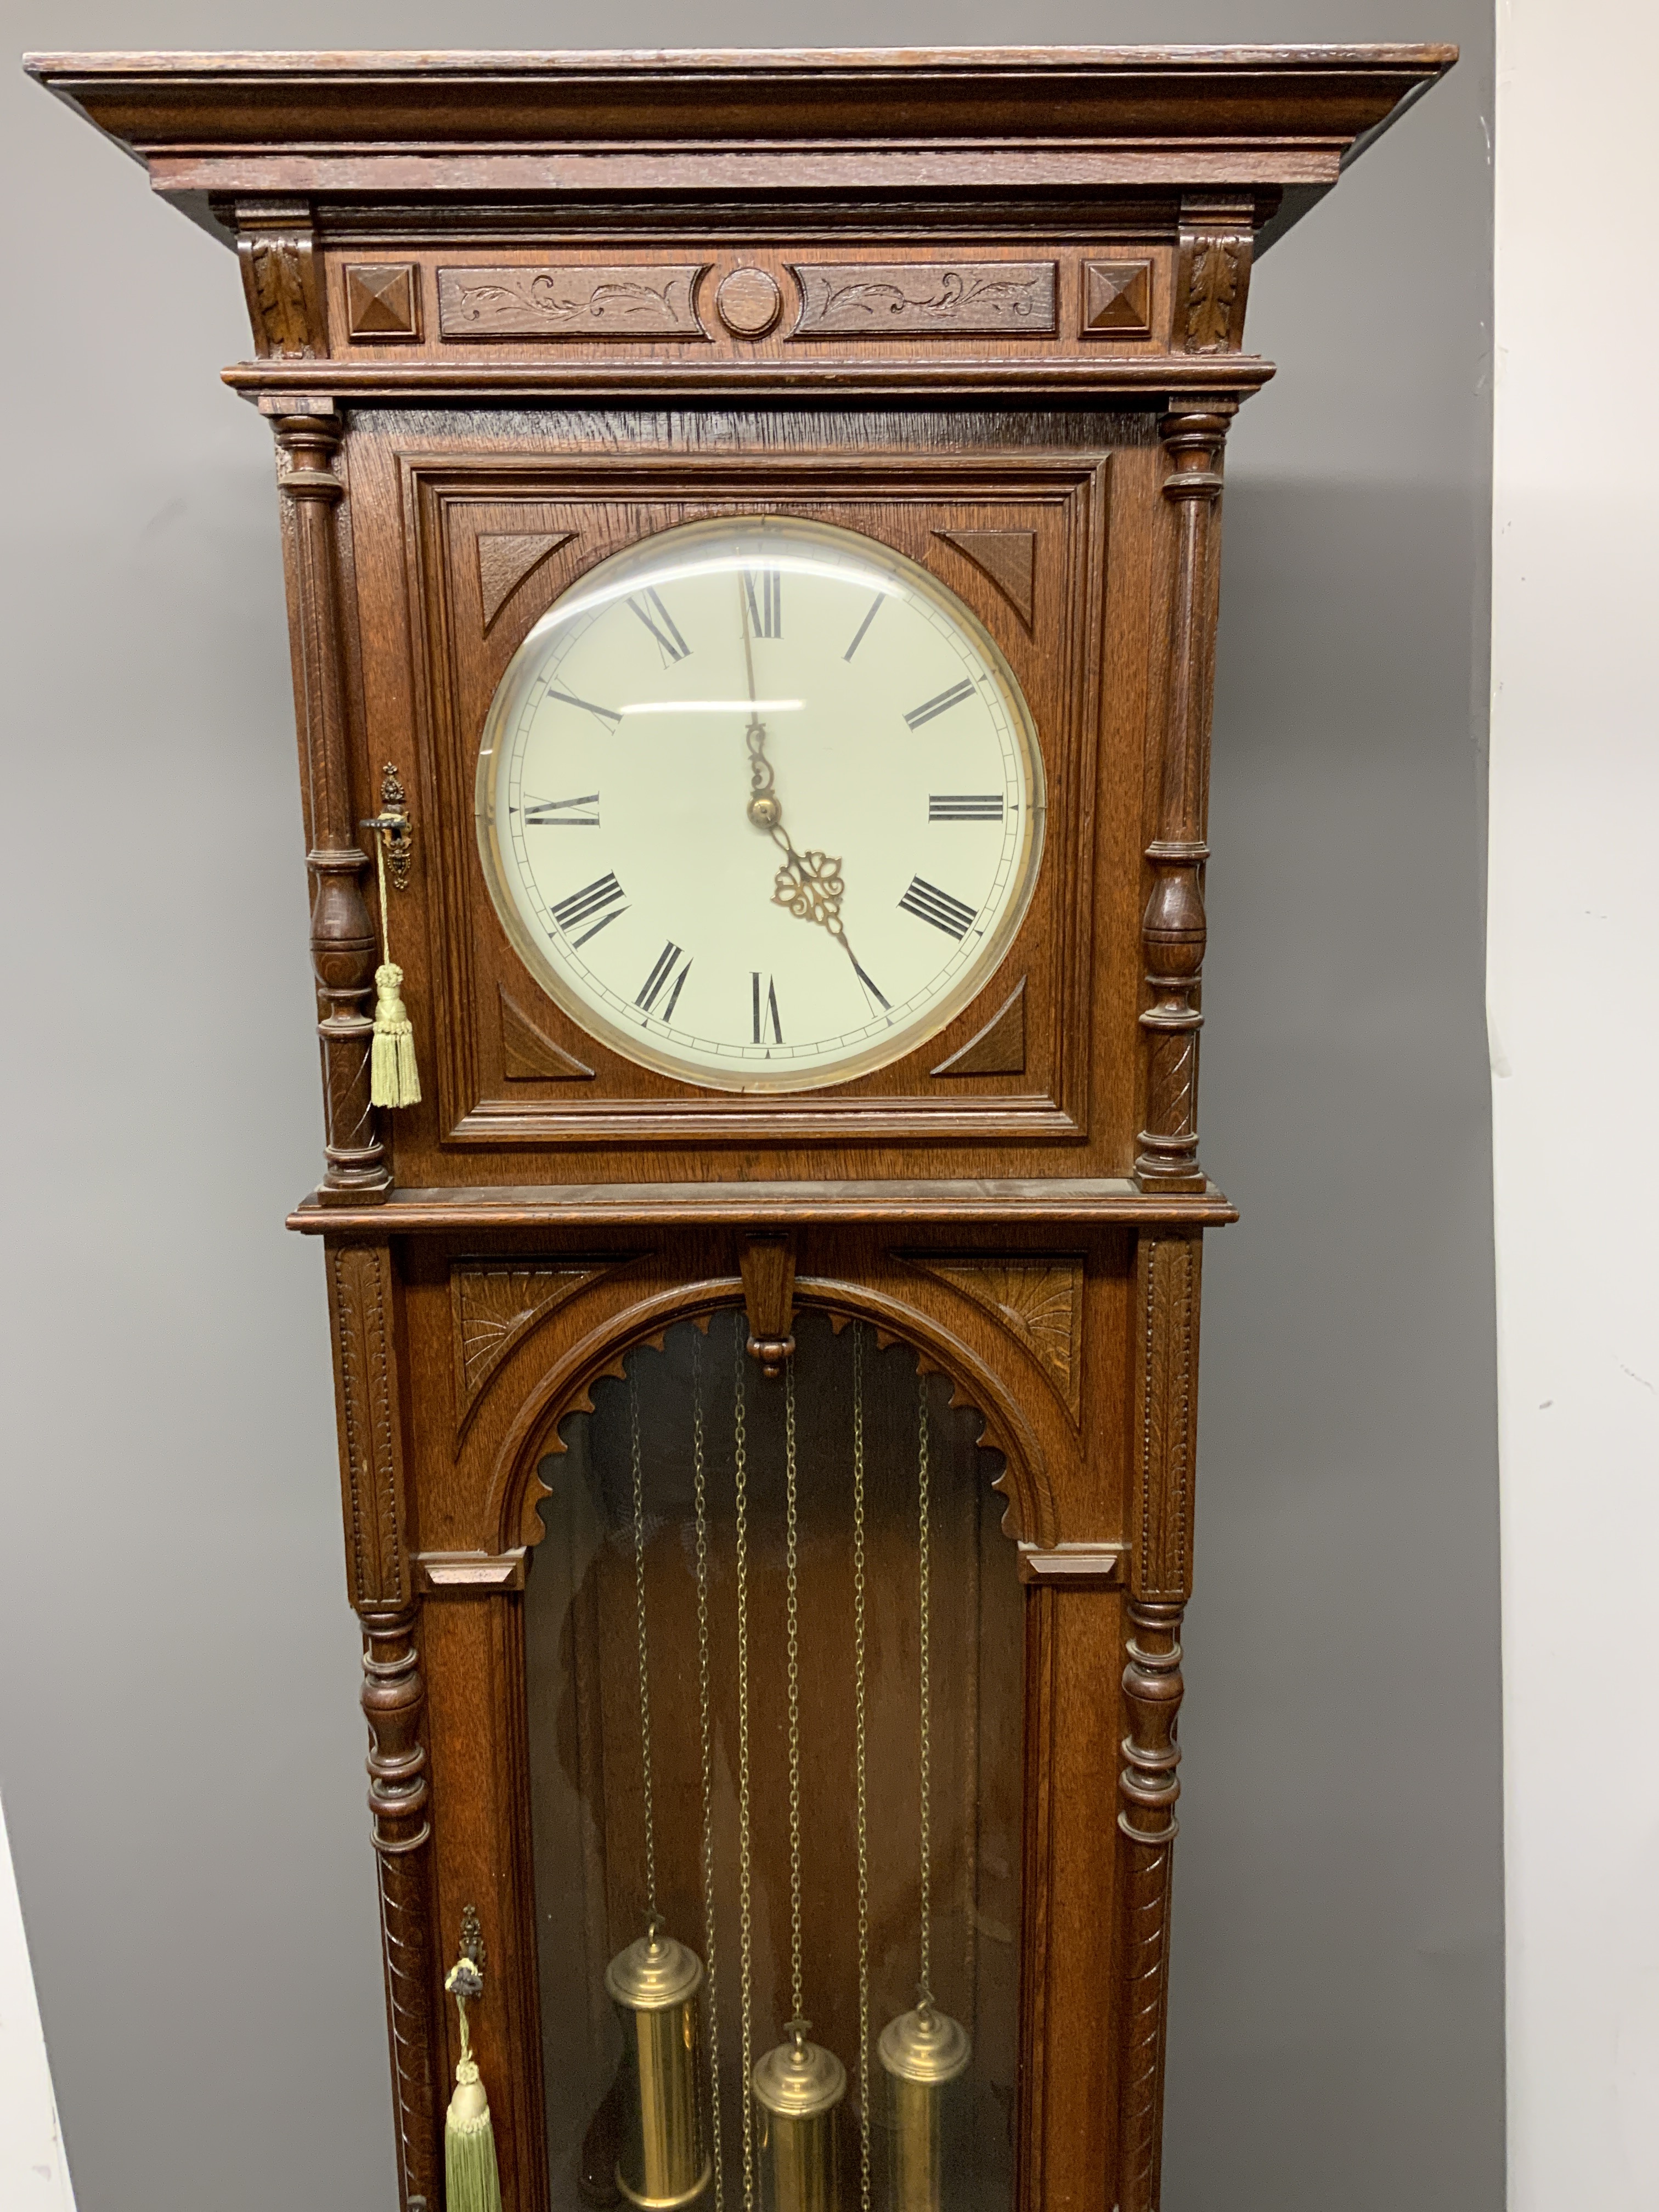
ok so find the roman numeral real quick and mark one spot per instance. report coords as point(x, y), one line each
point(601, 896)
point(941, 704)
point(929, 904)
point(857, 635)
point(605, 714)
point(766, 605)
point(965, 807)
point(581, 813)
point(874, 988)
point(766, 1010)
point(657, 980)
point(649, 608)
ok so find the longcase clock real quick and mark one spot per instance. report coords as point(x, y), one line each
point(751, 531)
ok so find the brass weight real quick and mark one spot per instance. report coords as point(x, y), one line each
point(656, 1984)
point(923, 2110)
point(798, 2087)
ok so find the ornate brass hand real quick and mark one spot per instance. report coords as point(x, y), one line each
point(809, 884)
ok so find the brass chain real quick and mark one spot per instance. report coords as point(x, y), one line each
point(740, 1469)
point(791, 1533)
point(644, 1670)
point(705, 1704)
point(925, 1992)
point(858, 1766)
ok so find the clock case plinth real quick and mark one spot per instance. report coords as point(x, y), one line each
point(510, 313)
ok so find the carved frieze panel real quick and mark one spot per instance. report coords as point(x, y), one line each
point(1039, 1301)
point(902, 299)
point(628, 300)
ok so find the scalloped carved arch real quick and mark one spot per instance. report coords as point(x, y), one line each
point(516, 1490)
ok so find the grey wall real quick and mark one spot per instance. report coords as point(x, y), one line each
point(179, 1749)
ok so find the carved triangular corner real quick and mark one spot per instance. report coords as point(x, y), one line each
point(1039, 1301)
point(996, 1049)
point(527, 1057)
point(1008, 558)
point(493, 1307)
point(506, 561)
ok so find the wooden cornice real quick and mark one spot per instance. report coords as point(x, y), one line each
point(676, 127)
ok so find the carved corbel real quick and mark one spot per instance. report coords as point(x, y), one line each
point(276, 245)
point(342, 942)
point(1212, 280)
point(768, 1265)
point(1173, 928)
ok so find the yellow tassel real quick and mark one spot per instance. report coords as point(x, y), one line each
point(393, 1078)
point(471, 2178)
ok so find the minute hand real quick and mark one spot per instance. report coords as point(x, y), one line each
point(810, 884)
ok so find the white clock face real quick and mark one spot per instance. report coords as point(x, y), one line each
point(760, 804)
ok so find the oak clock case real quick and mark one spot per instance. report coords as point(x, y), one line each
point(751, 531)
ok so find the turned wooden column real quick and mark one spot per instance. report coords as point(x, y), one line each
point(394, 1705)
point(1173, 927)
point(344, 950)
point(1167, 1271)
point(363, 1298)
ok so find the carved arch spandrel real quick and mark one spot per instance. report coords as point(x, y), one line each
point(1036, 1297)
point(511, 1511)
point(496, 1304)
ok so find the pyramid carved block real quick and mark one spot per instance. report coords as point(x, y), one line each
point(506, 561)
point(1117, 299)
point(383, 299)
point(527, 1057)
point(996, 1049)
point(1008, 558)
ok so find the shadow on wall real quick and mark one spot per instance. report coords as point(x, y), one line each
point(1339, 1876)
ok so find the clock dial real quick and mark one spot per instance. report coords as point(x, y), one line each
point(760, 804)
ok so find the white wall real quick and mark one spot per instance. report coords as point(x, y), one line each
point(1573, 961)
point(33, 2175)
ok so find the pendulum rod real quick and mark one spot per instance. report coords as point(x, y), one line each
point(792, 1584)
point(739, 1460)
point(704, 1708)
point(925, 1993)
point(644, 1670)
point(858, 1766)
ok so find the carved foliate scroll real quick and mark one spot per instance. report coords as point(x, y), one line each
point(902, 299)
point(629, 299)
